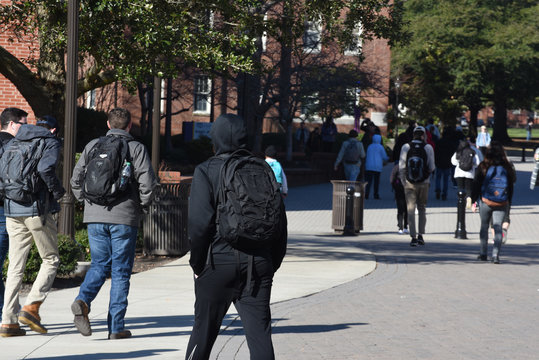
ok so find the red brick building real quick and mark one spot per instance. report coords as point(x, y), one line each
point(199, 98)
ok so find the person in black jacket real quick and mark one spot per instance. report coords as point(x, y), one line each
point(445, 148)
point(221, 272)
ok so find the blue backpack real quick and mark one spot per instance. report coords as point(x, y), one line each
point(494, 191)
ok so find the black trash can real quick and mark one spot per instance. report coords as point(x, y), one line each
point(339, 204)
point(165, 225)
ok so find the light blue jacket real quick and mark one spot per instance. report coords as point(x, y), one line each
point(376, 155)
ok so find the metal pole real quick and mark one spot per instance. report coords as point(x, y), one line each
point(349, 212)
point(460, 232)
point(156, 124)
point(66, 223)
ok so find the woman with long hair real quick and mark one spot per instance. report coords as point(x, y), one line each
point(493, 187)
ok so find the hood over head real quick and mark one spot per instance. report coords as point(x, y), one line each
point(376, 139)
point(27, 132)
point(228, 133)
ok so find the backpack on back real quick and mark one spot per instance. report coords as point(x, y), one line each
point(494, 191)
point(100, 180)
point(18, 170)
point(249, 202)
point(417, 169)
point(351, 153)
point(466, 158)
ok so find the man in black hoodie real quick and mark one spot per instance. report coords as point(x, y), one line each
point(221, 272)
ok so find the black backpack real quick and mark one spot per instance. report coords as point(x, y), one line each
point(351, 153)
point(465, 158)
point(417, 169)
point(248, 202)
point(20, 180)
point(100, 180)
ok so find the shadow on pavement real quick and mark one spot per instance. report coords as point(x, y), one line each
point(140, 354)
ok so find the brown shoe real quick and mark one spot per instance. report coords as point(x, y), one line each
point(120, 335)
point(80, 310)
point(8, 330)
point(29, 315)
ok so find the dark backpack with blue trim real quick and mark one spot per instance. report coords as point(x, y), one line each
point(249, 202)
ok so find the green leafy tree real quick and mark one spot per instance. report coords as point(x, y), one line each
point(469, 52)
point(120, 40)
point(288, 75)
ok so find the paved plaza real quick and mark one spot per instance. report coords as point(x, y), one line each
point(369, 296)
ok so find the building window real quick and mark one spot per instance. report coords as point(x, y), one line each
point(355, 47)
point(202, 94)
point(90, 99)
point(312, 37)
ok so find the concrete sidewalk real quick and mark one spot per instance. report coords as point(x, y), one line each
point(160, 312)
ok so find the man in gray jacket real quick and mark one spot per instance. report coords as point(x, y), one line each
point(112, 231)
point(32, 220)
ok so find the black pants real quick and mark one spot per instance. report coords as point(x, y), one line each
point(402, 213)
point(465, 184)
point(215, 289)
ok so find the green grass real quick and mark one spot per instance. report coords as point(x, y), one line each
point(515, 132)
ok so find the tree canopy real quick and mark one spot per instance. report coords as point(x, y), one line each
point(469, 53)
point(120, 40)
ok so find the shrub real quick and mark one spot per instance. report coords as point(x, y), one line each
point(69, 255)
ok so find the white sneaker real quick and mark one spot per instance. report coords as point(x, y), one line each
point(406, 231)
point(401, 232)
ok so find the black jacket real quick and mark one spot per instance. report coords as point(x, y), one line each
point(46, 168)
point(228, 133)
point(445, 148)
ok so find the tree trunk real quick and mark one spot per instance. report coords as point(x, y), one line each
point(500, 108)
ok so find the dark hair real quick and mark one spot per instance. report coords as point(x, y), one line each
point(48, 122)
point(119, 118)
point(495, 155)
point(271, 152)
point(12, 114)
point(463, 144)
point(352, 134)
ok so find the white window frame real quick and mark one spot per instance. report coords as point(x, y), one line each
point(201, 94)
point(312, 37)
point(91, 99)
point(355, 50)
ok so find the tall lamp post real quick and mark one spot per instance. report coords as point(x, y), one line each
point(397, 87)
point(67, 203)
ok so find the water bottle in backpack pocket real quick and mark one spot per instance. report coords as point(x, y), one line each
point(416, 163)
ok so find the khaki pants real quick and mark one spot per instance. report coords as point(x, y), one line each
point(22, 231)
point(416, 195)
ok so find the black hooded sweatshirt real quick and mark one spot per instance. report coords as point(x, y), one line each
point(228, 133)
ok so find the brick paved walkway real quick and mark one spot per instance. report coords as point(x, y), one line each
point(432, 302)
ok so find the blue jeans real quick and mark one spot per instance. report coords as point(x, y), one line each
point(4, 247)
point(351, 171)
point(497, 214)
point(442, 179)
point(112, 248)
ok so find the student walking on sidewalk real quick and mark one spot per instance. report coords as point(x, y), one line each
point(30, 212)
point(416, 163)
point(112, 223)
point(226, 270)
point(493, 187)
